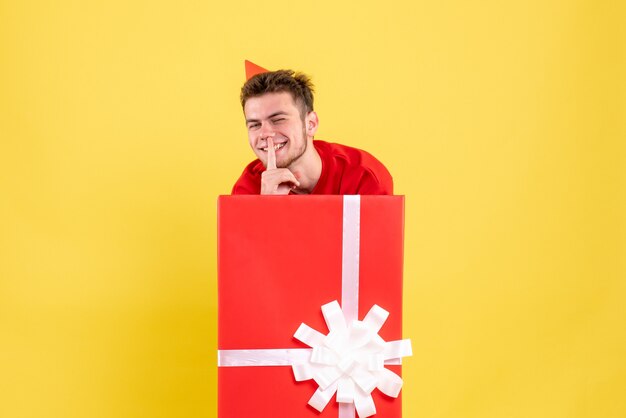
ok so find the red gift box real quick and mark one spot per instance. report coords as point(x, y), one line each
point(279, 260)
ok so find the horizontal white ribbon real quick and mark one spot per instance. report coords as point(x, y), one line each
point(271, 357)
point(262, 357)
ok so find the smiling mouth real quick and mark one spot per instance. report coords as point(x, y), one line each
point(276, 147)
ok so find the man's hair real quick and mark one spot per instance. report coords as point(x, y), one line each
point(297, 84)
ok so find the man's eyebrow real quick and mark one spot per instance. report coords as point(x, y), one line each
point(273, 115)
point(280, 112)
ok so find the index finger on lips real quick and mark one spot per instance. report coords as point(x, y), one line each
point(271, 154)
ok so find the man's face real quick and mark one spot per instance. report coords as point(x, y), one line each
point(275, 115)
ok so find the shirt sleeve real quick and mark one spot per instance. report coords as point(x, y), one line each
point(248, 183)
point(371, 184)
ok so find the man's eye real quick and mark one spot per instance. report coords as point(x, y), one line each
point(253, 126)
point(278, 120)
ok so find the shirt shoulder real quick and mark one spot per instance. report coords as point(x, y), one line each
point(250, 180)
point(351, 170)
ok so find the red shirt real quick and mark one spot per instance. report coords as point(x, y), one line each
point(345, 170)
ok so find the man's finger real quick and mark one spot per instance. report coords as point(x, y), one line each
point(278, 176)
point(278, 181)
point(287, 176)
point(271, 154)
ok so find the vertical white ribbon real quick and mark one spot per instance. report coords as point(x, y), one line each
point(351, 241)
point(350, 257)
point(346, 410)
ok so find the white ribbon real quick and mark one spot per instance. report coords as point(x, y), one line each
point(350, 256)
point(349, 361)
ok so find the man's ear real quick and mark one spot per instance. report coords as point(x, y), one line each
point(311, 123)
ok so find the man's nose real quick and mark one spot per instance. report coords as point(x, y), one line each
point(266, 131)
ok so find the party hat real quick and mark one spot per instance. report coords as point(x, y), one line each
point(252, 69)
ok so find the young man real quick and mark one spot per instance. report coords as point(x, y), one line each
point(281, 124)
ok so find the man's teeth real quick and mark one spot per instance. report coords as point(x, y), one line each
point(276, 147)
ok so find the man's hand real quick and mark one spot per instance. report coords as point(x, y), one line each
point(277, 181)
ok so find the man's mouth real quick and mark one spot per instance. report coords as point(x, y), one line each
point(276, 147)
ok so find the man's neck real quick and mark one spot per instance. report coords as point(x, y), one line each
point(307, 169)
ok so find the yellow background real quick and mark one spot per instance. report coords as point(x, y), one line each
point(502, 122)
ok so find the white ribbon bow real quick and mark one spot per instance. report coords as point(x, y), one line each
point(350, 360)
